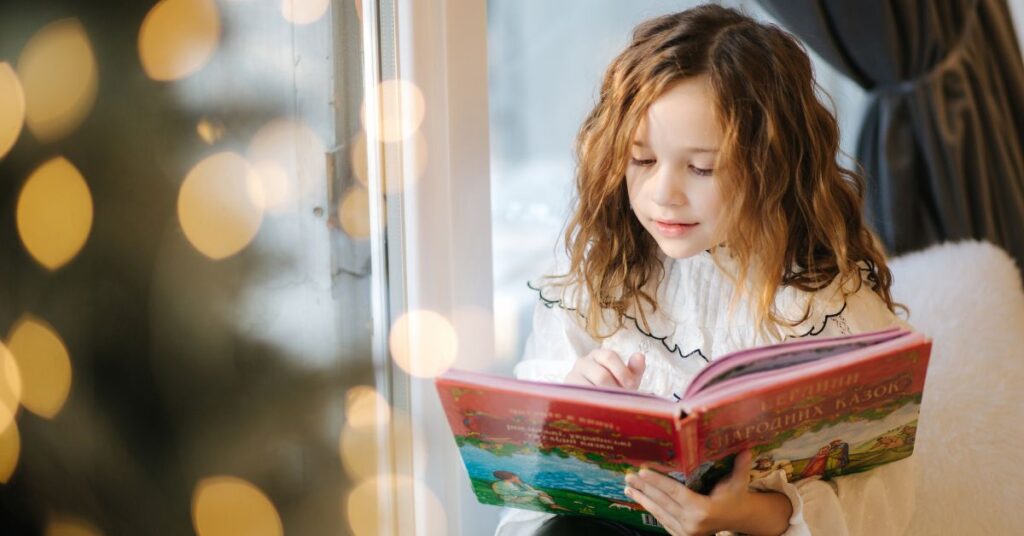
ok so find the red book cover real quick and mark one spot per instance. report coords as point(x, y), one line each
point(813, 409)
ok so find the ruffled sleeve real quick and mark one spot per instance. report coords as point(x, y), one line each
point(878, 502)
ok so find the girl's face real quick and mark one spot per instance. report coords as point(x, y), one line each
point(670, 177)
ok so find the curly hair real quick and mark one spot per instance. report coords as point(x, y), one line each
point(792, 214)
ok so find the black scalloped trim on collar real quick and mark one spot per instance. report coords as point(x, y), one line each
point(817, 330)
point(674, 349)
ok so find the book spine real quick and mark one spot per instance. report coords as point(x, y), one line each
point(688, 453)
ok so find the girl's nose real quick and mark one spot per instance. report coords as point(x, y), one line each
point(668, 188)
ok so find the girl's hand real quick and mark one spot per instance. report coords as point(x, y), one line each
point(731, 505)
point(605, 368)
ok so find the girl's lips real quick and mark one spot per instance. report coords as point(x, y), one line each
point(672, 230)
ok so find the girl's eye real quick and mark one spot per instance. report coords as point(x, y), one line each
point(644, 162)
point(702, 172)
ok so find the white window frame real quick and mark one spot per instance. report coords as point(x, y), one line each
point(435, 251)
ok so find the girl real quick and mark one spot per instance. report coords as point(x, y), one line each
point(712, 216)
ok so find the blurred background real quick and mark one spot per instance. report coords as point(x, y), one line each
point(238, 238)
point(184, 264)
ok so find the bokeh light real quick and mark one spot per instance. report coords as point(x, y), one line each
point(354, 212)
point(10, 387)
point(411, 173)
point(360, 450)
point(64, 525)
point(364, 406)
point(230, 506)
point(272, 188)
point(362, 504)
point(216, 205)
point(402, 110)
point(59, 78)
point(54, 213)
point(303, 11)
point(12, 111)
point(210, 130)
point(367, 416)
point(433, 337)
point(10, 450)
point(288, 158)
point(178, 37)
point(44, 365)
point(358, 159)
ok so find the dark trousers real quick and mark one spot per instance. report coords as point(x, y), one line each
point(588, 526)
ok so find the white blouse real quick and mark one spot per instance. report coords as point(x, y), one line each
point(693, 326)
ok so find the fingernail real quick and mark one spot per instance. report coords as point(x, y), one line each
point(628, 491)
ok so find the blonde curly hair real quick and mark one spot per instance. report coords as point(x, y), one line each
point(792, 213)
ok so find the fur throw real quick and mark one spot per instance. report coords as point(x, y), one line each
point(968, 297)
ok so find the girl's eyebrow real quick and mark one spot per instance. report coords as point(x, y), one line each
point(712, 150)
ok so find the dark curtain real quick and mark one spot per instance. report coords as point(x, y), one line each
point(941, 142)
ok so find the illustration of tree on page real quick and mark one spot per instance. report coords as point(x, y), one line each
point(814, 408)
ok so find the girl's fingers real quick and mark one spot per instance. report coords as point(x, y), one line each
point(637, 363)
point(597, 374)
point(663, 516)
point(742, 464)
point(664, 499)
point(653, 480)
point(624, 377)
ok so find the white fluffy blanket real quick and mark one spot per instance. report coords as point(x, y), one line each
point(967, 296)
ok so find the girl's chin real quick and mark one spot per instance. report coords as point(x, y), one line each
point(678, 251)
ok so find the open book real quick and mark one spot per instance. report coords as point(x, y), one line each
point(813, 408)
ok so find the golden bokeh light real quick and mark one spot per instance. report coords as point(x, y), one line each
point(360, 450)
point(354, 212)
point(433, 337)
point(363, 509)
point(44, 364)
point(59, 79)
point(303, 11)
point(54, 213)
point(10, 450)
point(271, 189)
point(364, 406)
point(12, 111)
point(10, 387)
point(411, 173)
point(63, 525)
point(402, 109)
point(358, 159)
point(367, 417)
point(210, 130)
point(230, 506)
point(363, 447)
point(178, 38)
point(216, 205)
point(288, 158)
